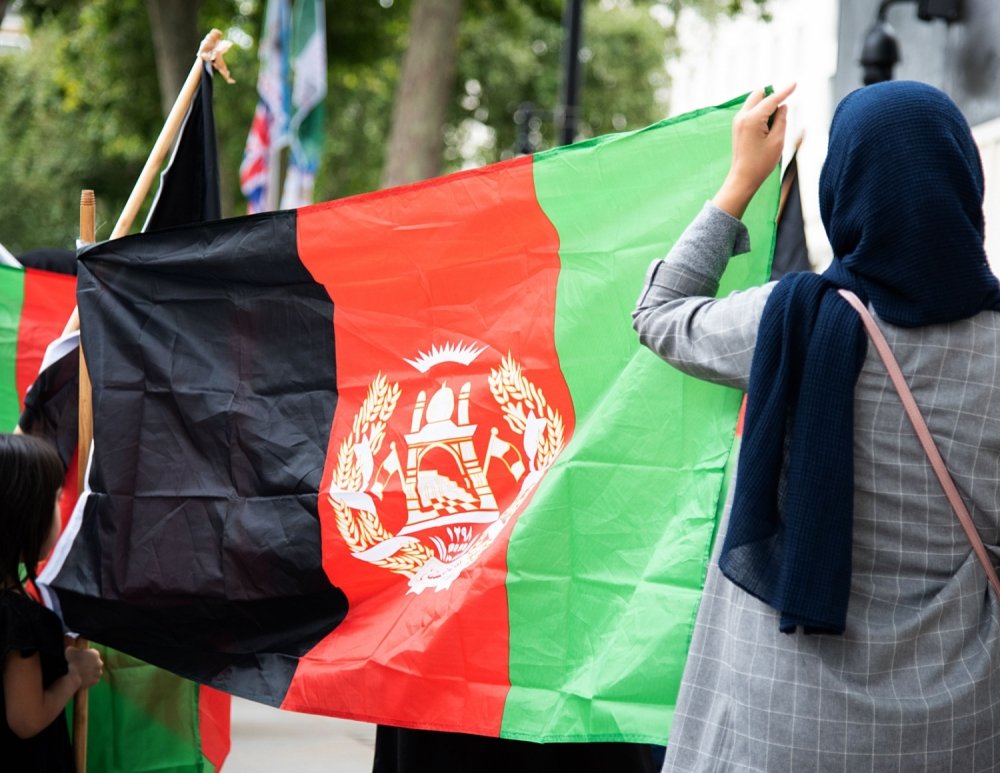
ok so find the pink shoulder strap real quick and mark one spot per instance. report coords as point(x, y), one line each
point(917, 420)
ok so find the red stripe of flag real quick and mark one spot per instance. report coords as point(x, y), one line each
point(214, 724)
point(49, 299)
point(395, 656)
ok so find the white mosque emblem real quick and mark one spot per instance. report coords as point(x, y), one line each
point(452, 511)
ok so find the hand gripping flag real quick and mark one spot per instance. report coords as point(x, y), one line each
point(400, 458)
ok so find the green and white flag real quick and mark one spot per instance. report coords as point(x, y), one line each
point(308, 92)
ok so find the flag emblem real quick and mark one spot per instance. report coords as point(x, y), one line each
point(451, 483)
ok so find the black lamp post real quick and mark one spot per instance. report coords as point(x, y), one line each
point(880, 50)
point(572, 33)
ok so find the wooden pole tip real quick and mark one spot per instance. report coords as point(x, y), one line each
point(87, 197)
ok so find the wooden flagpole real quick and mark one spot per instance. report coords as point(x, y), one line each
point(81, 708)
point(211, 50)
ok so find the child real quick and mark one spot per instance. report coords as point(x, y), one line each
point(39, 674)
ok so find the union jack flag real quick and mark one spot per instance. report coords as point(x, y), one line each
point(269, 131)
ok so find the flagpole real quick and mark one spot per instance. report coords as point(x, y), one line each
point(85, 428)
point(211, 50)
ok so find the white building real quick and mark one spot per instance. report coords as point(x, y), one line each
point(733, 56)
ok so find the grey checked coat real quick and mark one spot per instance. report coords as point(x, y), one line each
point(914, 683)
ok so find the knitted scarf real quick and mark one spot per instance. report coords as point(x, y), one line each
point(901, 196)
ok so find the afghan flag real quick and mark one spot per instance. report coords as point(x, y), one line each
point(144, 719)
point(400, 457)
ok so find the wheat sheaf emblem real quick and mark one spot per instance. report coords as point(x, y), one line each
point(360, 528)
point(357, 476)
point(515, 395)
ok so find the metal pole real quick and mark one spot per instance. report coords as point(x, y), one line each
point(572, 32)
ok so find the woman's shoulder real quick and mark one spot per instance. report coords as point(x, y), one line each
point(983, 325)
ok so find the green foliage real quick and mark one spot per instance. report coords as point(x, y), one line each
point(72, 117)
point(82, 110)
point(509, 91)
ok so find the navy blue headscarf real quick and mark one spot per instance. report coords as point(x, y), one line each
point(901, 196)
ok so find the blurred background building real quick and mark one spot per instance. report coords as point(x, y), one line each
point(819, 45)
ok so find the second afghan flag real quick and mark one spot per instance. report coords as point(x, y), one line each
point(400, 458)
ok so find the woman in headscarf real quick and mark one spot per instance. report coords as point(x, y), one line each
point(846, 623)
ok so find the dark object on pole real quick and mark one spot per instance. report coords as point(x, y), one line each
point(791, 252)
point(572, 33)
point(529, 120)
point(880, 50)
point(522, 120)
point(949, 10)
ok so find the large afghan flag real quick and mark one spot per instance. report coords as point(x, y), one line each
point(400, 457)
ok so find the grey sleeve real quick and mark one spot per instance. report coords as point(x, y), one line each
point(677, 315)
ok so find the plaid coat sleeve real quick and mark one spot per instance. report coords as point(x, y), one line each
point(677, 315)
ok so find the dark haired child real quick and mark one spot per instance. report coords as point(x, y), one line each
point(40, 673)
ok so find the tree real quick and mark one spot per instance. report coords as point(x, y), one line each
point(174, 27)
point(512, 86)
point(71, 117)
point(423, 93)
point(508, 78)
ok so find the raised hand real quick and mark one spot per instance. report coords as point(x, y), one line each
point(758, 138)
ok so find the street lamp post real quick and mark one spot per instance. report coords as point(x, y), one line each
point(572, 33)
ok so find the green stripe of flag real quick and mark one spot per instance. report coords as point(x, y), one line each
point(143, 720)
point(11, 303)
point(607, 564)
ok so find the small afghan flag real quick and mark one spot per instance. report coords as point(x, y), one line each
point(34, 308)
point(400, 457)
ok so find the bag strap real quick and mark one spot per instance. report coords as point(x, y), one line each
point(926, 440)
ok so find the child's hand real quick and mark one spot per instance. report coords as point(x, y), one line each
point(85, 664)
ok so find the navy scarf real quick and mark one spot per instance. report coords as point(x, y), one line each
point(901, 196)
